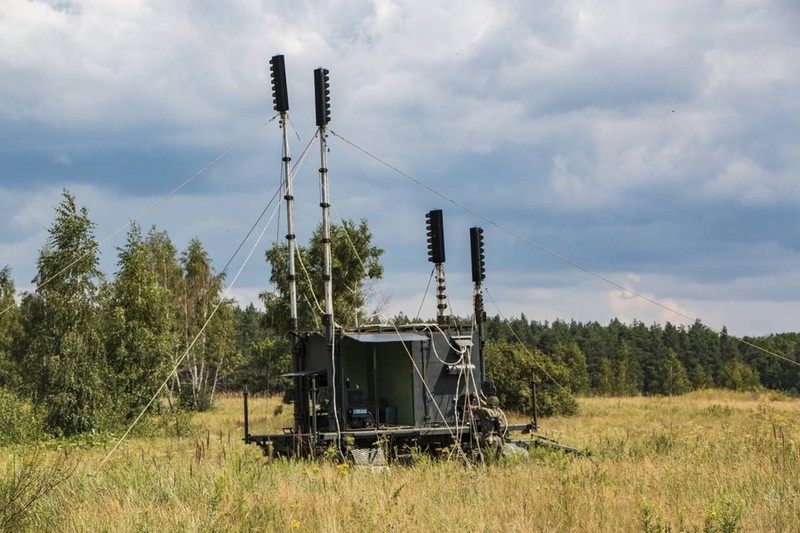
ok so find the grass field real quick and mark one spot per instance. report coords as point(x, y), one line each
point(707, 461)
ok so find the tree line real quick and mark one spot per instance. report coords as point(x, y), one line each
point(575, 358)
point(88, 352)
point(625, 359)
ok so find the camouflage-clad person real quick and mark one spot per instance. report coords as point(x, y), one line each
point(488, 417)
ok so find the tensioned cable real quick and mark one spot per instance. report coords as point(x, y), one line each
point(281, 184)
point(296, 134)
point(296, 167)
point(199, 333)
point(249, 232)
point(546, 373)
point(310, 284)
point(425, 294)
point(553, 253)
point(152, 206)
point(510, 231)
point(524, 347)
point(300, 160)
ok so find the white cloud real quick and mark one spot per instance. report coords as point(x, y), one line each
point(672, 112)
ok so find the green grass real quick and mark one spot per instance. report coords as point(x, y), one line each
point(708, 461)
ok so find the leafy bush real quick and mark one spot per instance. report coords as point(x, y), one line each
point(674, 378)
point(19, 423)
point(511, 367)
point(740, 376)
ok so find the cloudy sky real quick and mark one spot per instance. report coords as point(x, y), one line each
point(656, 144)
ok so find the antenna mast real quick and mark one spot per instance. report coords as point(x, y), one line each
point(280, 98)
point(435, 223)
point(322, 102)
point(478, 275)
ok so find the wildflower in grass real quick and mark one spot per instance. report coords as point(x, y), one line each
point(295, 524)
point(342, 468)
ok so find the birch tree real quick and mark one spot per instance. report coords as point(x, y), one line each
point(62, 351)
point(139, 326)
point(208, 335)
point(354, 260)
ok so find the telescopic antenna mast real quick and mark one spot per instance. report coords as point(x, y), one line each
point(478, 275)
point(280, 96)
point(322, 102)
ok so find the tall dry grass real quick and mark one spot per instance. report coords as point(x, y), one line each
point(709, 461)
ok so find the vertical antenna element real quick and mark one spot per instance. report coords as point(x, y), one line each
point(435, 224)
point(322, 102)
point(477, 254)
point(478, 275)
point(322, 93)
point(323, 107)
point(281, 104)
point(280, 96)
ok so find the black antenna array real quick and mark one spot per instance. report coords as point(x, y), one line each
point(477, 254)
point(435, 224)
point(280, 95)
point(322, 96)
